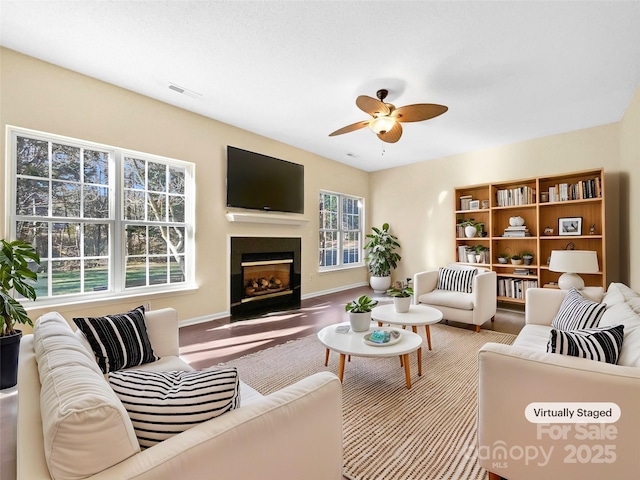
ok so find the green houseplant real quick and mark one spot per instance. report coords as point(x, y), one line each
point(359, 311)
point(15, 277)
point(401, 297)
point(381, 257)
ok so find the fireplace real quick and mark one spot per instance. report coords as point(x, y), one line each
point(265, 275)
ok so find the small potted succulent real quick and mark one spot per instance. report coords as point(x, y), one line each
point(527, 258)
point(503, 257)
point(360, 313)
point(516, 259)
point(401, 294)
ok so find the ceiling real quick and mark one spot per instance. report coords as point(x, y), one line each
point(291, 70)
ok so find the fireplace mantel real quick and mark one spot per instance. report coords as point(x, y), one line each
point(272, 218)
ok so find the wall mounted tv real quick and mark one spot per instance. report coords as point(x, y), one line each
point(259, 182)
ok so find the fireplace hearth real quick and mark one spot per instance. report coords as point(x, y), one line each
point(265, 275)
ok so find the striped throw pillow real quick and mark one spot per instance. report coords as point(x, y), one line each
point(457, 280)
point(163, 404)
point(576, 312)
point(118, 341)
point(602, 344)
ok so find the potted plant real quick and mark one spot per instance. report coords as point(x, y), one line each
point(527, 257)
point(481, 256)
point(470, 227)
point(516, 259)
point(360, 313)
point(401, 294)
point(381, 257)
point(15, 277)
point(503, 257)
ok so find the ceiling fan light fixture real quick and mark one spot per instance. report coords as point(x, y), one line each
point(382, 124)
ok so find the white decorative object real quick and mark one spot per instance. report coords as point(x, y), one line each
point(470, 231)
point(360, 322)
point(402, 304)
point(572, 262)
point(380, 284)
point(516, 221)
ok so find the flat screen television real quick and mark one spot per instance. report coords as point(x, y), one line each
point(260, 182)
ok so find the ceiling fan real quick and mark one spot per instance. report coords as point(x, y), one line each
point(387, 118)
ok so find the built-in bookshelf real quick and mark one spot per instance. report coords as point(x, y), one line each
point(556, 211)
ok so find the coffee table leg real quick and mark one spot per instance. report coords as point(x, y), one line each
point(341, 367)
point(420, 362)
point(426, 327)
point(407, 369)
point(326, 357)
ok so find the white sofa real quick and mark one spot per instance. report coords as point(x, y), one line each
point(474, 308)
point(512, 377)
point(293, 433)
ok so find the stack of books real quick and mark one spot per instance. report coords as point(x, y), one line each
point(465, 202)
point(522, 271)
point(521, 231)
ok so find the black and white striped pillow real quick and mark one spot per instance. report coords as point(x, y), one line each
point(457, 280)
point(576, 312)
point(602, 344)
point(163, 404)
point(118, 341)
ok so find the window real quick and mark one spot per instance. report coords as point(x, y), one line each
point(102, 219)
point(341, 220)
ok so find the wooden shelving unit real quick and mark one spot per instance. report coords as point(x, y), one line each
point(577, 195)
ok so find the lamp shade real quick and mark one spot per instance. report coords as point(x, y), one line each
point(382, 124)
point(571, 262)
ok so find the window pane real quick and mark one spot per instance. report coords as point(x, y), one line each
point(157, 207)
point(65, 199)
point(158, 270)
point(351, 248)
point(65, 277)
point(35, 233)
point(96, 240)
point(96, 275)
point(176, 267)
point(96, 167)
point(136, 272)
point(157, 177)
point(176, 180)
point(65, 162)
point(32, 157)
point(32, 197)
point(176, 208)
point(134, 173)
point(176, 239)
point(157, 243)
point(42, 285)
point(134, 205)
point(136, 240)
point(96, 202)
point(65, 240)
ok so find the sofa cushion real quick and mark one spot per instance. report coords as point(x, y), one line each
point(457, 280)
point(118, 341)
point(163, 404)
point(602, 344)
point(623, 314)
point(447, 298)
point(533, 336)
point(614, 294)
point(576, 312)
point(79, 409)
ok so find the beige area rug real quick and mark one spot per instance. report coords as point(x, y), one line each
point(390, 432)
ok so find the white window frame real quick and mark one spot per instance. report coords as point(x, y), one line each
point(340, 232)
point(116, 221)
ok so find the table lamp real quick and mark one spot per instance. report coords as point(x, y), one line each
point(572, 262)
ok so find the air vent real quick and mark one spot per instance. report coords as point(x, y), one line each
point(184, 91)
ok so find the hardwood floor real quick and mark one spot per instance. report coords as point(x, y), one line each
point(217, 341)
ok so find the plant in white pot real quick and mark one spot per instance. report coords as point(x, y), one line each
point(16, 276)
point(401, 297)
point(360, 313)
point(381, 257)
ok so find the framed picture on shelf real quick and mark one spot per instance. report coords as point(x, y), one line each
point(570, 226)
point(474, 205)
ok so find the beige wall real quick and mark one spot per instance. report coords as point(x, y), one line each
point(417, 200)
point(630, 192)
point(41, 96)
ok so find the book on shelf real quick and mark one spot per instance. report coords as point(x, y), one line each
point(520, 228)
point(515, 196)
point(465, 201)
point(517, 234)
point(522, 271)
point(515, 287)
point(581, 190)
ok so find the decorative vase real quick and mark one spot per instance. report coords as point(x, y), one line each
point(528, 259)
point(478, 257)
point(380, 284)
point(470, 231)
point(471, 257)
point(9, 350)
point(360, 322)
point(402, 304)
point(516, 221)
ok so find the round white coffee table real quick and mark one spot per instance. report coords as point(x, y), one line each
point(351, 343)
point(416, 316)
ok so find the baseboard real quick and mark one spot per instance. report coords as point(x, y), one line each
point(203, 319)
point(333, 290)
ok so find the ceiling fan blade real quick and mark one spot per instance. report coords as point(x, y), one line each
point(350, 128)
point(418, 112)
point(372, 106)
point(393, 135)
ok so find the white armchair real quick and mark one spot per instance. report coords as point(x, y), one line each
point(474, 308)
